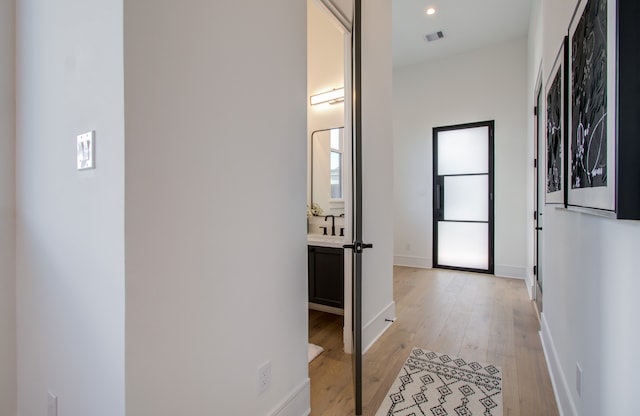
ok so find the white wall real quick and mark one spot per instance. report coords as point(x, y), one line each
point(215, 277)
point(70, 224)
point(7, 212)
point(488, 84)
point(215, 207)
point(377, 168)
point(591, 283)
point(590, 310)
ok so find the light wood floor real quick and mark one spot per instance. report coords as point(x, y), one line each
point(473, 316)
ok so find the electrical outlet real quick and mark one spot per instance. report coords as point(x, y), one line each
point(52, 404)
point(579, 379)
point(264, 376)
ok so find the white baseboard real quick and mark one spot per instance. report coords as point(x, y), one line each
point(564, 399)
point(512, 272)
point(325, 308)
point(529, 284)
point(297, 403)
point(412, 261)
point(374, 329)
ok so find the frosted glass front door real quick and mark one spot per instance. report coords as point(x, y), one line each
point(463, 245)
point(463, 197)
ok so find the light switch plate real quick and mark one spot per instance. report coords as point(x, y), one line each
point(87, 150)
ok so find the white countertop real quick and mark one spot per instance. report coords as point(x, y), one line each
point(325, 240)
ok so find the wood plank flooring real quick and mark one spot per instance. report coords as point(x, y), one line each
point(473, 316)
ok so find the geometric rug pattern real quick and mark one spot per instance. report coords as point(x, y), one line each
point(435, 384)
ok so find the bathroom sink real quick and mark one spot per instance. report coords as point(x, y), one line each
point(325, 240)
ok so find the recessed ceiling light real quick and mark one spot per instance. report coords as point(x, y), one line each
point(431, 11)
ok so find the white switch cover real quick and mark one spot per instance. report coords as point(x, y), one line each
point(87, 150)
point(52, 405)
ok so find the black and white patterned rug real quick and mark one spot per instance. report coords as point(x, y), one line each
point(435, 384)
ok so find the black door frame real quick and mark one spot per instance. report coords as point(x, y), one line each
point(537, 205)
point(438, 195)
point(357, 245)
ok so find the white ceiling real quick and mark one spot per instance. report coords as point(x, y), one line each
point(467, 25)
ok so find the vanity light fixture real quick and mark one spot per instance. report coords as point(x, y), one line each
point(334, 96)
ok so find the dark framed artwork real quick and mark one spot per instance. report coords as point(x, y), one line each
point(592, 106)
point(556, 127)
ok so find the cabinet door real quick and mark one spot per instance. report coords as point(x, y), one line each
point(326, 276)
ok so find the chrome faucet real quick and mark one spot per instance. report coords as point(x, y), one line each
point(333, 223)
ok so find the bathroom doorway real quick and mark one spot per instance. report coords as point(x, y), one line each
point(329, 203)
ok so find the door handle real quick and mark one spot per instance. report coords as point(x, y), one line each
point(539, 228)
point(438, 197)
point(358, 246)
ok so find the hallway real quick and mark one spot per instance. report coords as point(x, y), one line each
point(473, 316)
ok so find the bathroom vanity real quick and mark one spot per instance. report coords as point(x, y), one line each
point(326, 273)
point(326, 221)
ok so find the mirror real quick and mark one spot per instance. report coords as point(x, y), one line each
point(327, 170)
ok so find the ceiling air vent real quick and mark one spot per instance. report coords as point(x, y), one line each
point(432, 37)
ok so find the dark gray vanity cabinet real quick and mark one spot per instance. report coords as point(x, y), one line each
point(326, 276)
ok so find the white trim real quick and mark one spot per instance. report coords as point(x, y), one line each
point(325, 308)
point(347, 152)
point(336, 15)
point(297, 403)
point(564, 399)
point(347, 337)
point(513, 272)
point(374, 329)
point(413, 261)
point(530, 288)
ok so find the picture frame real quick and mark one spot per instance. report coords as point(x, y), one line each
point(592, 138)
point(556, 96)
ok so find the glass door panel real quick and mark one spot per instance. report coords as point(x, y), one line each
point(463, 244)
point(467, 198)
point(463, 151)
